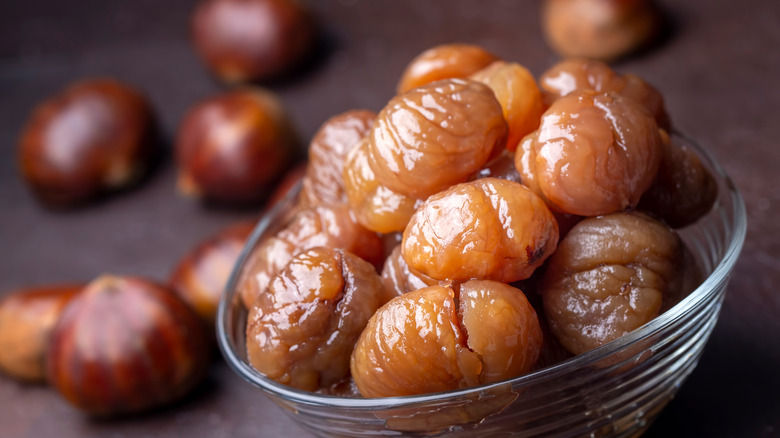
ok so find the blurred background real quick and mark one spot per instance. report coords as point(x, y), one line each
point(717, 66)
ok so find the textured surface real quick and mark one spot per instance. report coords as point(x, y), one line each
point(718, 71)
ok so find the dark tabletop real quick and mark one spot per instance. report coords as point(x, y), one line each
point(719, 70)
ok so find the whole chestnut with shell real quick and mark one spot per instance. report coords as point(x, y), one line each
point(27, 318)
point(201, 276)
point(94, 137)
point(245, 40)
point(232, 147)
point(126, 345)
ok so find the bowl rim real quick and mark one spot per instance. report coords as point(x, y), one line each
point(720, 273)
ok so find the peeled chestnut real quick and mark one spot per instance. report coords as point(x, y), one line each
point(489, 228)
point(201, 276)
point(94, 137)
point(375, 206)
point(328, 149)
point(232, 147)
point(683, 190)
point(245, 40)
point(609, 276)
point(519, 96)
point(600, 29)
point(301, 331)
point(440, 338)
point(593, 154)
point(27, 318)
point(434, 136)
point(126, 345)
point(446, 61)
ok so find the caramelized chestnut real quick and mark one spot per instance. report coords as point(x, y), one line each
point(94, 137)
point(572, 75)
point(519, 96)
point(608, 277)
point(330, 226)
point(375, 206)
point(683, 190)
point(485, 229)
point(245, 40)
point(232, 147)
point(201, 276)
point(301, 331)
point(446, 61)
point(593, 154)
point(435, 136)
point(27, 318)
point(427, 341)
point(323, 183)
point(601, 29)
point(126, 345)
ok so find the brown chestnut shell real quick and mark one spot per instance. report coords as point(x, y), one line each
point(126, 345)
point(200, 277)
point(245, 40)
point(27, 318)
point(94, 137)
point(233, 147)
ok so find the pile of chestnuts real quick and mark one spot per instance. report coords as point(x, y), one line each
point(478, 227)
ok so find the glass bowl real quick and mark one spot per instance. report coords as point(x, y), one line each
point(616, 390)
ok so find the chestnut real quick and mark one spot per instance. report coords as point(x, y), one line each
point(201, 276)
point(126, 345)
point(445, 61)
point(245, 40)
point(27, 318)
point(93, 137)
point(599, 29)
point(232, 147)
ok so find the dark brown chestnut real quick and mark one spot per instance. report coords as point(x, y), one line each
point(245, 40)
point(232, 147)
point(126, 345)
point(93, 137)
point(27, 318)
point(201, 276)
point(599, 29)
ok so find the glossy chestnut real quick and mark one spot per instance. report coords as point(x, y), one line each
point(232, 147)
point(27, 318)
point(126, 345)
point(94, 137)
point(246, 40)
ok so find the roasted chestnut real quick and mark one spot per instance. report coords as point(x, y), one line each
point(436, 135)
point(446, 61)
point(245, 40)
point(126, 345)
point(593, 154)
point(489, 228)
point(27, 318)
point(519, 96)
point(428, 341)
point(302, 329)
point(93, 137)
point(609, 276)
point(340, 134)
point(600, 29)
point(232, 147)
point(375, 206)
point(201, 276)
point(683, 190)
